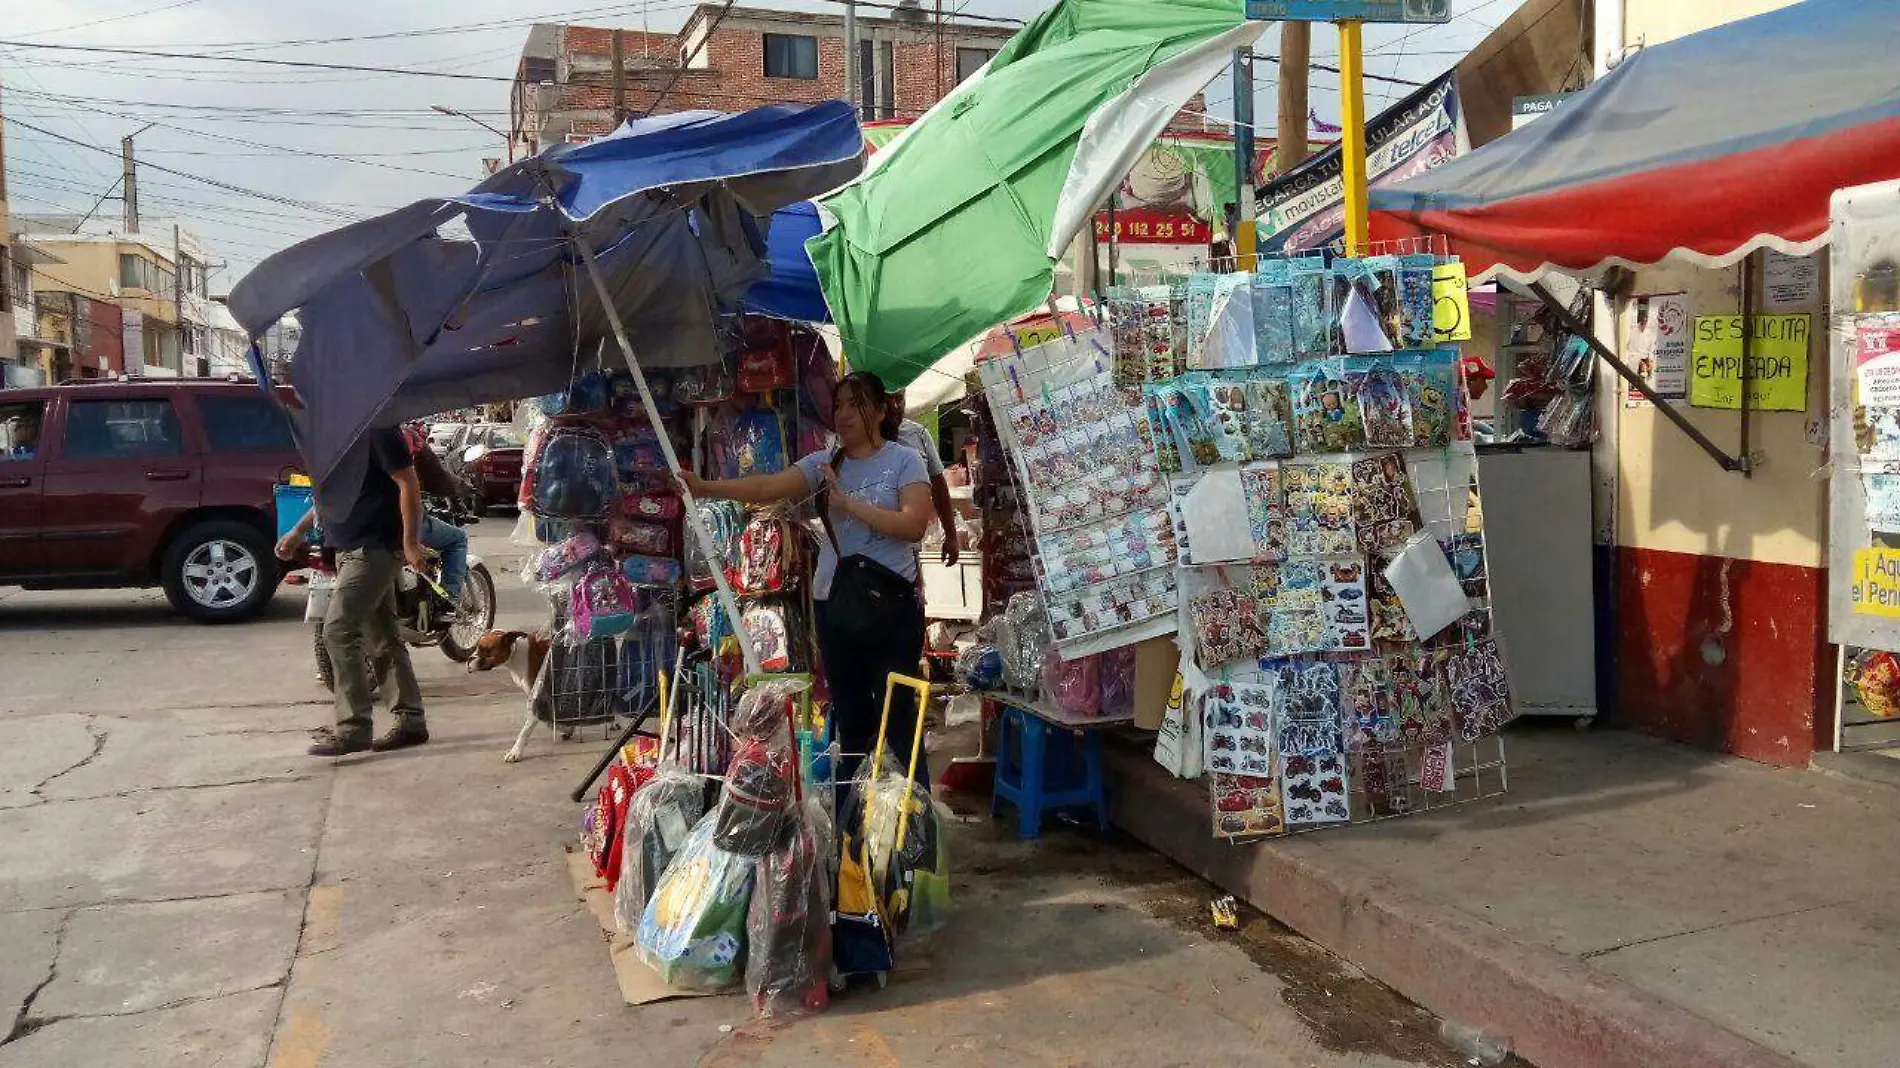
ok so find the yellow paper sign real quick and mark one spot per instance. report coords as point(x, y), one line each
point(1451, 304)
point(1875, 590)
point(1778, 363)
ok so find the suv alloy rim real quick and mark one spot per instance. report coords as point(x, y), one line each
point(220, 574)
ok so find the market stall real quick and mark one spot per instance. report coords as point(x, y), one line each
point(1699, 225)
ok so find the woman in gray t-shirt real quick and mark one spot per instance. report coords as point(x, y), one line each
point(879, 507)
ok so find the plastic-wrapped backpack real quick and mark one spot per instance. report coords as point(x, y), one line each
point(604, 604)
point(724, 520)
point(658, 821)
point(574, 475)
point(694, 928)
point(788, 927)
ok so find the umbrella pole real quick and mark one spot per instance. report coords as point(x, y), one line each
point(726, 600)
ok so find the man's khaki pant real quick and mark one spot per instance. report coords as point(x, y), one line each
point(360, 627)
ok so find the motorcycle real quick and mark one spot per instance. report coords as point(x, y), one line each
point(424, 614)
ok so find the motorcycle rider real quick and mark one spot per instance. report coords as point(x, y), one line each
point(447, 539)
point(379, 531)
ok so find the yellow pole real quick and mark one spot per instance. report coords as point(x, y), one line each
point(1352, 141)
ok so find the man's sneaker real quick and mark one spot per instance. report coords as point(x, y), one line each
point(401, 736)
point(326, 742)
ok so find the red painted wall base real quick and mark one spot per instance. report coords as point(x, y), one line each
point(1750, 678)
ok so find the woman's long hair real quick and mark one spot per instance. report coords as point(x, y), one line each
point(866, 391)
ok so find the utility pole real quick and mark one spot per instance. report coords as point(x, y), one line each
point(851, 57)
point(620, 80)
point(130, 178)
point(178, 295)
point(1296, 53)
point(1242, 222)
point(938, 57)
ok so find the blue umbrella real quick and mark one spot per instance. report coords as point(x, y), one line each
point(404, 316)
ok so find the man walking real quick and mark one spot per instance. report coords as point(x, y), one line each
point(381, 529)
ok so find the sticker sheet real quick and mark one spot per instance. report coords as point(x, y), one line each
point(1319, 508)
point(1273, 313)
point(1380, 773)
point(1246, 806)
point(1384, 510)
point(1309, 708)
point(1268, 425)
point(1239, 726)
point(1436, 774)
point(1385, 408)
point(1425, 714)
point(1226, 625)
point(1326, 414)
point(1372, 704)
point(1266, 510)
point(1386, 610)
point(1200, 307)
point(1314, 785)
point(1291, 599)
point(1430, 384)
point(1466, 552)
point(1480, 693)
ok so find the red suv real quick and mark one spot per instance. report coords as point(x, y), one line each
point(144, 482)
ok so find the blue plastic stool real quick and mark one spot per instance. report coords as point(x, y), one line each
point(1037, 772)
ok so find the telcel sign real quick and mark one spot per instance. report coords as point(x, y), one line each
point(1350, 10)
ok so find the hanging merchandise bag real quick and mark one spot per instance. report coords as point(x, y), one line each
point(604, 604)
point(693, 929)
point(575, 475)
point(788, 929)
point(603, 823)
point(658, 821)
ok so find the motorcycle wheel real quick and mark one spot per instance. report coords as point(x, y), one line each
point(326, 671)
point(475, 615)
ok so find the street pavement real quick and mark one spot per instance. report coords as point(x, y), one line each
point(181, 886)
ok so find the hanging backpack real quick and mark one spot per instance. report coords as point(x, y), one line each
point(574, 475)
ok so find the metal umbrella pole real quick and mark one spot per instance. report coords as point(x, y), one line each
point(724, 589)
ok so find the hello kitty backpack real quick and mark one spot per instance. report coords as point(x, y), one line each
point(604, 604)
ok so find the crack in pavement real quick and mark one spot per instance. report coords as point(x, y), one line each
point(315, 852)
point(122, 901)
point(23, 1022)
point(137, 790)
point(98, 746)
point(1594, 954)
point(29, 1024)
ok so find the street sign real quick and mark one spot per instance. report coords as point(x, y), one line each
point(1350, 10)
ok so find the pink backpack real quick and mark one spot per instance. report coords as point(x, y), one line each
point(604, 604)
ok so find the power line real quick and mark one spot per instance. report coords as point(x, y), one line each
point(213, 182)
point(115, 18)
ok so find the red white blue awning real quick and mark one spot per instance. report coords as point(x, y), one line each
point(1702, 149)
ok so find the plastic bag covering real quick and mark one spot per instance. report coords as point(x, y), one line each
point(760, 443)
point(724, 521)
point(980, 667)
point(658, 821)
point(603, 822)
point(1118, 681)
point(1023, 635)
point(914, 879)
point(757, 797)
point(604, 604)
point(788, 927)
point(562, 562)
point(693, 929)
point(580, 683)
point(574, 477)
point(1074, 685)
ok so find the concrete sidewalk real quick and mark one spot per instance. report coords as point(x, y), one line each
point(1629, 902)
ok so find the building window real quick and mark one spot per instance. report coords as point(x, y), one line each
point(537, 69)
point(971, 60)
point(791, 55)
point(6, 276)
point(137, 272)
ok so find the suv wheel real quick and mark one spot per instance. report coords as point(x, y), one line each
point(219, 571)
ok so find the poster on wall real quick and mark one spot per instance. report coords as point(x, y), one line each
point(1777, 363)
point(1659, 346)
point(1790, 283)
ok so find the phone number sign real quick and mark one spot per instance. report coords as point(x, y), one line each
point(1350, 10)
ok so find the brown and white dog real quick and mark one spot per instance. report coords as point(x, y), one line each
point(522, 654)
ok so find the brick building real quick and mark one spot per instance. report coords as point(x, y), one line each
point(745, 58)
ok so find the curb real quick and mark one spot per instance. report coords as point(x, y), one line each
point(1557, 1011)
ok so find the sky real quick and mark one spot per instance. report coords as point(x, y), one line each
point(326, 148)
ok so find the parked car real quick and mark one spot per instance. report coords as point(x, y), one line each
point(443, 435)
point(145, 482)
point(486, 459)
